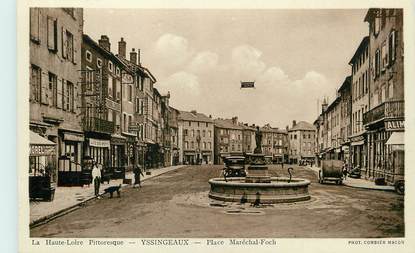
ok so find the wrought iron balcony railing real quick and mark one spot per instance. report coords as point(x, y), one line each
point(386, 110)
point(93, 124)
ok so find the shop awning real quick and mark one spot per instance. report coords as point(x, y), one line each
point(36, 139)
point(396, 138)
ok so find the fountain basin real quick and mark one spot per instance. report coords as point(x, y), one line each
point(277, 191)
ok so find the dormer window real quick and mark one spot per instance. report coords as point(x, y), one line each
point(99, 63)
point(110, 66)
point(88, 56)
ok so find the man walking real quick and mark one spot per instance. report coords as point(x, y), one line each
point(137, 175)
point(96, 177)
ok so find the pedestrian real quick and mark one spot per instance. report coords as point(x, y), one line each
point(137, 175)
point(96, 177)
point(345, 171)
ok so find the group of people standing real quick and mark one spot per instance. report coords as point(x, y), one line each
point(97, 175)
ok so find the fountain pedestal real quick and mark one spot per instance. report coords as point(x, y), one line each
point(257, 171)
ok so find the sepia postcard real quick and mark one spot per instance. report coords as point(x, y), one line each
point(240, 126)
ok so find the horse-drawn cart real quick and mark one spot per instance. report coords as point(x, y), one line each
point(332, 170)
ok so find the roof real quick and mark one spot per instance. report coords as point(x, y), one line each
point(227, 123)
point(268, 128)
point(197, 116)
point(303, 125)
point(346, 83)
point(93, 43)
point(363, 44)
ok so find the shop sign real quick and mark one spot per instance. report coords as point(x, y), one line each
point(395, 125)
point(99, 143)
point(112, 105)
point(73, 137)
point(40, 150)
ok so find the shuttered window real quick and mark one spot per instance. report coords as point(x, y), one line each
point(35, 83)
point(34, 25)
point(52, 34)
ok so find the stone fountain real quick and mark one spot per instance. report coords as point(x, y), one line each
point(258, 186)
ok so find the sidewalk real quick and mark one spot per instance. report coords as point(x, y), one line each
point(68, 199)
point(359, 182)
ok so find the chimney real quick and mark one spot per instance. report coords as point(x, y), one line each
point(133, 56)
point(210, 116)
point(138, 57)
point(235, 120)
point(122, 45)
point(294, 123)
point(104, 42)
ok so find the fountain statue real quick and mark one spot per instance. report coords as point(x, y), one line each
point(258, 186)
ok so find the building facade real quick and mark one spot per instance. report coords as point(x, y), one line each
point(55, 61)
point(385, 117)
point(228, 138)
point(302, 141)
point(195, 138)
point(345, 93)
point(360, 104)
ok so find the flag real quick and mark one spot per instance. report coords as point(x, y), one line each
point(247, 84)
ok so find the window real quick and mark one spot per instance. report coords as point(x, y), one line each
point(377, 63)
point(210, 145)
point(53, 87)
point(190, 123)
point(185, 132)
point(204, 145)
point(385, 58)
point(295, 137)
point(192, 146)
point(110, 115)
point(130, 93)
point(110, 86)
point(70, 99)
point(34, 25)
point(210, 133)
point(204, 133)
point(99, 63)
point(67, 46)
point(193, 133)
point(186, 145)
point(52, 34)
point(117, 71)
point(377, 26)
point(390, 88)
point(35, 83)
point(303, 136)
point(110, 66)
point(88, 56)
point(130, 120)
point(124, 122)
point(392, 46)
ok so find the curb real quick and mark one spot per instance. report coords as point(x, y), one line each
point(45, 219)
point(360, 187)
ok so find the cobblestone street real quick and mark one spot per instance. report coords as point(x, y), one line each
point(176, 204)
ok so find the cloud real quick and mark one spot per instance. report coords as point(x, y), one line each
point(184, 88)
point(246, 62)
point(204, 62)
point(172, 50)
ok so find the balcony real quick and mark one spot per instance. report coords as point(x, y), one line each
point(386, 110)
point(93, 124)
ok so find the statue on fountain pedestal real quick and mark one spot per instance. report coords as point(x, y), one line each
point(258, 140)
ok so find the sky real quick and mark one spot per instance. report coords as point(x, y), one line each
point(295, 57)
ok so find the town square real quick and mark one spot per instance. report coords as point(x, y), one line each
point(182, 123)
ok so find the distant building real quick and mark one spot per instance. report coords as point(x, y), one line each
point(302, 141)
point(248, 137)
point(195, 138)
point(345, 93)
point(228, 138)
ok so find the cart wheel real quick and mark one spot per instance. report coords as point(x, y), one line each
point(400, 187)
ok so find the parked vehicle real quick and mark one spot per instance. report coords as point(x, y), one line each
point(332, 170)
point(234, 166)
point(355, 172)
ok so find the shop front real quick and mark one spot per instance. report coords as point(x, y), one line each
point(118, 156)
point(70, 157)
point(42, 167)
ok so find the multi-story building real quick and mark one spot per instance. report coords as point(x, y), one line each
point(55, 61)
point(385, 117)
point(195, 138)
point(280, 145)
point(267, 140)
point(174, 135)
point(345, 94)
point(228, 138)
point(248, 136)
point(302, 141)
point(321, 134)
point(360, 103)
point(102, 104)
